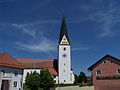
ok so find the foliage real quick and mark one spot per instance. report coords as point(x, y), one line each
point(46, 80)
point(33, 80)
point(82, 78)
point(76, 79)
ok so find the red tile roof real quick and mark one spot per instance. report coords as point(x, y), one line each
point(50, 64)
point(9, 61)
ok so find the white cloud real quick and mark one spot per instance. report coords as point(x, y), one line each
point(44, 45)
point(25, 29)
point(105, 15)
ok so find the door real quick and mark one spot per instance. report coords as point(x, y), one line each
point(5, 85)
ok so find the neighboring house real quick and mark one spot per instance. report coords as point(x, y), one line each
point(32, 65)
point(106, 73)
point(11, 73)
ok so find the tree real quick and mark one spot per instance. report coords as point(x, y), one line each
point(82, 78)
point(76, 79)
point(33, 80)
point(46, 80)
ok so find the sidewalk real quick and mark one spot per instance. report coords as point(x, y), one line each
point(75, 88)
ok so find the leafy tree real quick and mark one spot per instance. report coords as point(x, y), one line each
point(33, 80)
point(76, 79)
point(82, 78)
point(46, 80)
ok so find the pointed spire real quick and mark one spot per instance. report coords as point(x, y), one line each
point(63, 30)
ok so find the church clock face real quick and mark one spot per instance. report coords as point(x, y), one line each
point(64, 55)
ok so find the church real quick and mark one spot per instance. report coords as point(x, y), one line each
point(13, 71)
point(59, 68)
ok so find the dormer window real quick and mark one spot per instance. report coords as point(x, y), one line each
point(104, 62)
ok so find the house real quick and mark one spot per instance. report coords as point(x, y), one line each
point(32, 65)
point(11, 73)
point(106, 73)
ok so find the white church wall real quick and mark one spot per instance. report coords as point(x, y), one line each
point(29, 71)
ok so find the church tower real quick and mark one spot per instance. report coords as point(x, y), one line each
point(65, 74)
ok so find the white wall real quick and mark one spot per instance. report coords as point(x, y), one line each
point(29, 71)
point(65, 65)
point(10, 75)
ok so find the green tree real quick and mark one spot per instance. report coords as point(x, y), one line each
point(46, 80)
point(82, 78)
point(76, 79)
point(32, 80)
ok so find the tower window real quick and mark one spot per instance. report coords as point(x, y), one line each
point(64, 70)
point(64, 49)
point(64, 64)
point(64, 55)
point(64, 80)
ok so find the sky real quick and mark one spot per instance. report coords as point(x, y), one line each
point(30, 29)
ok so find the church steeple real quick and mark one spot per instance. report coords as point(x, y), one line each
point(63, 39)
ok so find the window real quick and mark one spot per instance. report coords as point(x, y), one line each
point(98, 72)
point(64, 80)
point(118, 71)
point(64, 49)
point(104, 62)
point(111, 61)
point(16, 73)
point(3, 71)
point(64, 70)
point(15, 84)
point(64, 64)
point(54, 81)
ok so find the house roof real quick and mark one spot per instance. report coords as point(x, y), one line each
point(107, 57)
point(9, 61)
point(50, 64)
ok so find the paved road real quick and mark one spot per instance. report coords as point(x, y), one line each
point(75, 88)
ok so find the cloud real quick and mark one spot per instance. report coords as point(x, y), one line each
point(106, 14)
point(44, 45)
point(25, 29)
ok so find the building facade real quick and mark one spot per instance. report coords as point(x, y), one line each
point(11, 73)
point(106, 73)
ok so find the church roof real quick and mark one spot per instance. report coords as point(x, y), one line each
point(8, 61)
point(50, 64)
point(63, 30)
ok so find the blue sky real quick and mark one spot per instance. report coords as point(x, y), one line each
point(30, 29)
